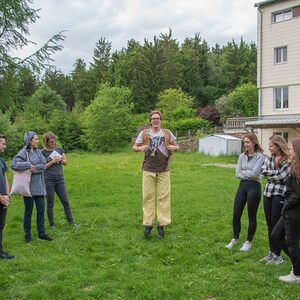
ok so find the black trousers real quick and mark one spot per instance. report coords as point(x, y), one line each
point(3, 211)
point(286, 234)
point(57, 186)
point(249, 192)
point(272, 208)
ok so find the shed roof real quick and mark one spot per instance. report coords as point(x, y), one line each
point(225, 137)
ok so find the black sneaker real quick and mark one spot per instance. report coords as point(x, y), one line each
point(5, 255)
point(45, 237)
point(52, 226)
point(147, 231)
point(27, 238)
point(160, 231)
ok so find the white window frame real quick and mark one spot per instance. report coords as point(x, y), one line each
point(281, 98)
point(285, 135)
point(286, 15)
point(281, 50)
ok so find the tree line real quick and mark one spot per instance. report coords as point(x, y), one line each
point(99, 105)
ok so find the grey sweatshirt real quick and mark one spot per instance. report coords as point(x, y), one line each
point(22, 161)
point(250, 169)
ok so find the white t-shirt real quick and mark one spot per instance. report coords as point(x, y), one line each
point(156, 140)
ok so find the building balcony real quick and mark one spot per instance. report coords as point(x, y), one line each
point(238, 124)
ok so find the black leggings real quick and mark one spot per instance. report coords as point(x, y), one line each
point(248, 192)
point(272, 207)
point(3, 211)
point(286, 235)
point(57, 186)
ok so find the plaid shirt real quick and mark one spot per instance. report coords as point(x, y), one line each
point(276, 176)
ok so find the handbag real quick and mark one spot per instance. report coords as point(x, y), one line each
point(21, 182)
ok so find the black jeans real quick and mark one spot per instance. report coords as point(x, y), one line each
point(3, 211)
point(272, 207)
point(248, 192)
point(40, 210)
point(57, 186)
point(286, 234)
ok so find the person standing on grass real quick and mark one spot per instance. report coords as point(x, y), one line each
point(275, 169)
point(158, 144)
point(54, 178)
point(31, 158)
point(4, 197)
point(286, 233)
point(249, 191)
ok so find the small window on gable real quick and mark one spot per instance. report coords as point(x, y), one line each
point(280, 55)
point(282, 16)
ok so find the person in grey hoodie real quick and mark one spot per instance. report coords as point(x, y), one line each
point(249, 191)
point(31, 158)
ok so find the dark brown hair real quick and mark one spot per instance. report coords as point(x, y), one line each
point(280, 143)
point(253, 138)
point(48, 136)
point(296, 161)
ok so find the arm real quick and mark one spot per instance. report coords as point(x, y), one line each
point(41, 166)
point(20, 162)
point(139, 147)
point(238, 170)
point(292, 198)
point(63, 160)
point(255, 171)
point(278, 175)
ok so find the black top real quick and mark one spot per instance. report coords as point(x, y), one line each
point(56, 170)
point(3, 170)
point(292, 195)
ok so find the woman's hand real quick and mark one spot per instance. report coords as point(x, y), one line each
point(56, 159)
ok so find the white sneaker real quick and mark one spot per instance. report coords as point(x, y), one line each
point(267, 258)
point(232, 243)
point(246, 246)
point(276, 260)
point(291, 278)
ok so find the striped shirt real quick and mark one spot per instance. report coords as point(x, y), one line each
point(276, 176)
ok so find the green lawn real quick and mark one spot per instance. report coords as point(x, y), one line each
point(108, 258)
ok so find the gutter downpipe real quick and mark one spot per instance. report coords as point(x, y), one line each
point(260, 70)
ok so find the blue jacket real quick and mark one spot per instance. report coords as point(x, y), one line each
point(24, 159)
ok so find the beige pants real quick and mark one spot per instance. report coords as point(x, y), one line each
point(156, 183)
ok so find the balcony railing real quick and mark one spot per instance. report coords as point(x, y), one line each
point(238, 123)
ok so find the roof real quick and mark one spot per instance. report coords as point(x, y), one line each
point(273, 123)
point(224, 136)
point(266, 2)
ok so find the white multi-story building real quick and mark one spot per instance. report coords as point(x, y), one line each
point(278, 69)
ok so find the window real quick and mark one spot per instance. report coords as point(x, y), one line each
point(285, 135)
point(280, 55)
point(281, 97)
point(282, 16)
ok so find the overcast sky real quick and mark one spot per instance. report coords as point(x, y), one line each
point(217, 21)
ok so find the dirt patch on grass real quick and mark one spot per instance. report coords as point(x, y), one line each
point(229, 166)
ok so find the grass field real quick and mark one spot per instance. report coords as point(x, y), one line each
point(108, 258)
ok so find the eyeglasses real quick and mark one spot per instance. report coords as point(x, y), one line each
point(154, 119)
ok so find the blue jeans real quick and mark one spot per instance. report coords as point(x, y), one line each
point(40, 209)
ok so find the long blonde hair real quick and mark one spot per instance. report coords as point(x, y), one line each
point(280, 143)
